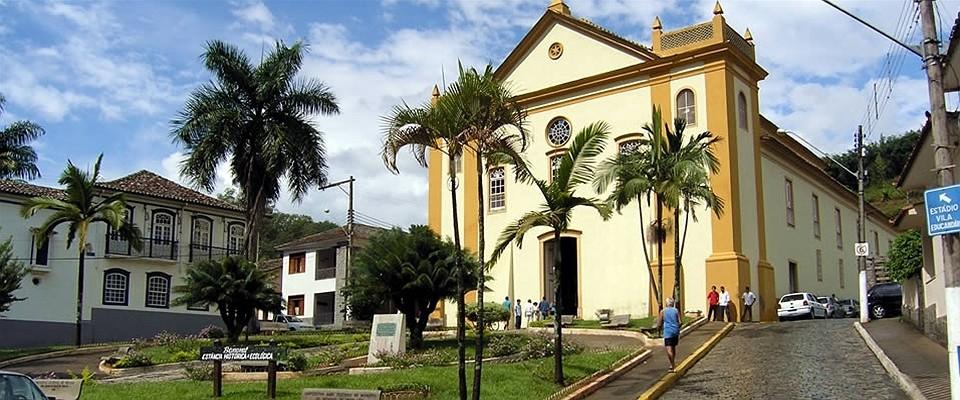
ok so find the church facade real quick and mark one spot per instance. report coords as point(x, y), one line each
point(787, 225)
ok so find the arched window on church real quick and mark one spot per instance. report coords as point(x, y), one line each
point(687, 106)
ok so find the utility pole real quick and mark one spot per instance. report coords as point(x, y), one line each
point(349, 233)
point(943, 165)
point(861, 230)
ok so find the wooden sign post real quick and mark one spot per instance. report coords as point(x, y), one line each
point(219, 353)
point(272, 373)
point(217, 372)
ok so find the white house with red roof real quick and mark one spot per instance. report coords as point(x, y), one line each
point(127, 293)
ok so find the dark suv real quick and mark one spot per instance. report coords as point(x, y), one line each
point(884, 300)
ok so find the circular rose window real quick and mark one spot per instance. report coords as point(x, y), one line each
point(558, 131)
point(555, 50)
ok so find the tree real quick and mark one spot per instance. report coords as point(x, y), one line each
point(687, 185)
point(17, 158)
point(440, 126)
point(257, 118)
point(576, 168)
point(11, 274)
point(80, 208)
point(235, 285)
point(280, 228)
point(414, 271)
point(906, 256)
point(495, 129)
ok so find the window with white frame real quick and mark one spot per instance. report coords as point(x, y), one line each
point(116, 284)
point(555, 166)
point(235, 237)
point(497, 189)
point(838, 222)
point(788, 187)
point(559, 131)
point(202, 229)
point(162, 227)
point(816, 217)
point(158, 290)
point(687, 106)
point(628, 147)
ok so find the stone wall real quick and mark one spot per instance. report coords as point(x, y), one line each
point(928, 323)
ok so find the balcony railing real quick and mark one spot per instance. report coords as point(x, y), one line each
point(152, 248)
point(199, 252)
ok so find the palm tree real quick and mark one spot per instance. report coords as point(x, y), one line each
point(691, 163)
point(79, 209)
point(257, 118)
point(576, 168)
point(235, 285)
point(489, 109)
point(439, 126)
point(639, 175)
point(17, 158)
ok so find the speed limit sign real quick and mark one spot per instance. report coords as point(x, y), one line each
point(861, 249)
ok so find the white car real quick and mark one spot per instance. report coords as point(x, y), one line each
point(16, 386)
point(282, 322)
point(800, 305)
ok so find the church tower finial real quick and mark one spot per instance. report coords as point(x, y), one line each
point(656, 23)
point(559, 7)
point(748, 36)
point(717, 10)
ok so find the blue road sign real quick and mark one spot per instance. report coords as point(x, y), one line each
point(943, 210)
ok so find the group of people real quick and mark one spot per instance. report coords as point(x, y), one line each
point(533, 311)
point(720, 305)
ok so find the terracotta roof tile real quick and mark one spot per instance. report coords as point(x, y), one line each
point(147, 183)
point(26, 189)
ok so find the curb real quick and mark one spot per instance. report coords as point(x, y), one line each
point(589, 385)
point(907, 384)
point(667, 381)
point(58, 353)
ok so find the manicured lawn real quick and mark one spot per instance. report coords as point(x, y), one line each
point(9, 354)
point(162, 354)
point(524, 380)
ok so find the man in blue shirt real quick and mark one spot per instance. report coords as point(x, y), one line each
point(506, 307)
point(669, 321)
point(544, 308)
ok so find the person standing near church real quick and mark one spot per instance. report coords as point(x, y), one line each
point(518, 315)
point(724, 303)
point(669, 321)
point(748, 301)
point(506, 307)
point(713, 298)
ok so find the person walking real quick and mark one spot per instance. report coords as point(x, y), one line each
point(724, 303)
point(528, 311)
point(544, 308)
point(713, 298)
point(518, 315)
point(748, 300)
point(506, 307)
point(669, 321)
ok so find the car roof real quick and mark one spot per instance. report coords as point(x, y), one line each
point(12, 373)
point(800, 293)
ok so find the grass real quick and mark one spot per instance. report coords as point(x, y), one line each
point(9, 354)
point(164, 354)
point(523, 380)
point(637, 325)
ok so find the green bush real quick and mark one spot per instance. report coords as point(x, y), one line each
point(296, 362)
point(492, 313)
point(201, 372)
point(135, 359)
point(541, 345)
point(429, 357)
point(183, 356)
point(506, 344)
point(906, 256)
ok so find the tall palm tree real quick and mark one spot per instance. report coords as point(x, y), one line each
point(438, 125)
point(495, 128)
point(687, 185)
point(257, 118)
point(17, 158)
point(79, 209)
point(642, 174)
point(560, 199)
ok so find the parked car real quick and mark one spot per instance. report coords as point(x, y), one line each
point(849, 308)
point(282, 322)
point(800, 305)
point(884, 300)
point(14, 386)
point(833, 309)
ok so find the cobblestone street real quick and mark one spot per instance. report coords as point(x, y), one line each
point(818, 359)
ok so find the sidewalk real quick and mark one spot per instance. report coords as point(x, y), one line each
point(918, 357)
point(640, 378)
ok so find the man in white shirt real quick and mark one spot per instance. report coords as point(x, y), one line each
point(528, 311)
point(724, 304)
point(749, 299)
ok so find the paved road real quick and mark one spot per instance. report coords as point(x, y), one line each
point(62, 367)
point(819, 359)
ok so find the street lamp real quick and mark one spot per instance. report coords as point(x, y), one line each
point(348, 232)
point(861, 220)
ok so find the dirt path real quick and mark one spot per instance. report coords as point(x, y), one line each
point(62, 367)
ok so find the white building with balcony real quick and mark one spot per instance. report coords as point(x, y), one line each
point(314, 270)
point(127, 293)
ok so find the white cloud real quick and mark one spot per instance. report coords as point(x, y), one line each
point(256, 13)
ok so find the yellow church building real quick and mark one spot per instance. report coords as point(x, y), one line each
point(787, 226)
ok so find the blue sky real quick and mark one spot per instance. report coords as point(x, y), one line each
point(108, 76)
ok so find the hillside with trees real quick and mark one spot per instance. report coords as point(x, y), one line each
point(884, 161)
